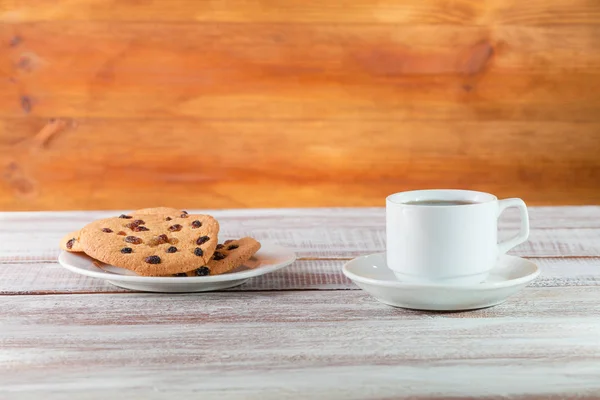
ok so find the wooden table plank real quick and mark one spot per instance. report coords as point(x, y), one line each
point(303, 274)
point(321, 56)
point(308, 168)
point(340, 344)
point(320, 70)
point(312, 169)
point(463, 12)
point(564, 217)
point(342, 243)
point(320, 233)
point(44, 278)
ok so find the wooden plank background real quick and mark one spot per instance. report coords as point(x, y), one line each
point(110, 104)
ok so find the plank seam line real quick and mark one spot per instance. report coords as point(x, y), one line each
point(333, 120)
point(325, 22)
point(49, 293)
point(349, 289)
point(312, 259)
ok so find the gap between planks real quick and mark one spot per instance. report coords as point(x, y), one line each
point(303, 259)
point(233, 292)
point(132, 292)
point(352, 258)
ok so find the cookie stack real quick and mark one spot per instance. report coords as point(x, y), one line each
point(161, 241)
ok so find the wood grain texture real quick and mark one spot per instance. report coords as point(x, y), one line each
point(50, 278)
point(318, 104)
point(326, 238)
point(337, 243)
point(298, 71)
point(339, 233)
point(288, 334)
point(459, 12)
point(335, 345)
point(318, 162)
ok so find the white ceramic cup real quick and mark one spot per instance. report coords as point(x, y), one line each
point(447, 244)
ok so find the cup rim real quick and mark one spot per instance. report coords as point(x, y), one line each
point(479, 198)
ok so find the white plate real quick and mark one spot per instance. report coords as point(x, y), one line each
point(269, 258)
point(371, 274)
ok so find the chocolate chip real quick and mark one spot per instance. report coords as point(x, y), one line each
point(140, 229)
point(139, 222)
point(168, 219)
point(131, 225)
point(220, 246)
point(202, 239)
point(183, 211)
point(155, 241)
point(233, 247)
point(181, 274)
point(184, 215)
point(152, 260)
point(107, 230)
point(121, 233)
point(126, 250)
point(228, 241)
point(196, 224)
point(125, 216)
point(163, 238)
point(70, 243)
point(198, 251)
point(175, 228)
point(172, 249)
point(133, 239)
point(202, 271)
point(218, 256)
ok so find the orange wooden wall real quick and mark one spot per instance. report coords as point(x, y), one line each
point(238, 103)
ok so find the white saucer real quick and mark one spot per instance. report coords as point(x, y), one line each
point(269, 258)
point(371, 274)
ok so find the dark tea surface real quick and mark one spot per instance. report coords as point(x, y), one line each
point(440, 202)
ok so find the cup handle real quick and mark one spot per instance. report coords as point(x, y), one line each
point(506, 245)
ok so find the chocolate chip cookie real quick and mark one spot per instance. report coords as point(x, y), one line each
point(70, 242)
point(228, 256)
point(152, 244)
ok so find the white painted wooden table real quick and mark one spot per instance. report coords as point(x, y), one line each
point(303, 332)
